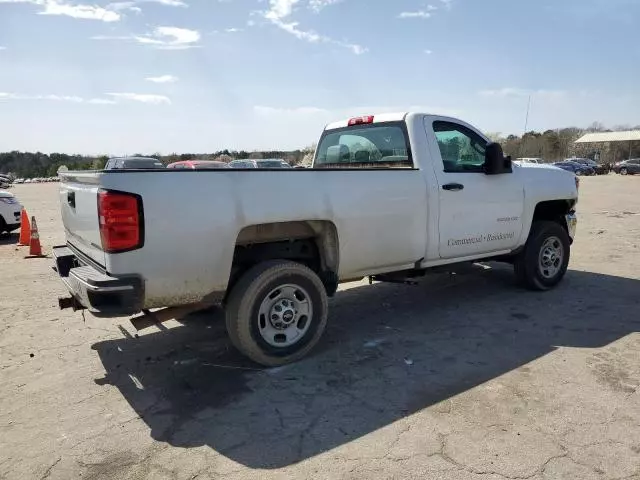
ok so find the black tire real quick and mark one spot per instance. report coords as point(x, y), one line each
point(245, 322)
point(624, 171)
point(528, 267)
point(3, 225)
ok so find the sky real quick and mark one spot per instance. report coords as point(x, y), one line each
point(128, 76)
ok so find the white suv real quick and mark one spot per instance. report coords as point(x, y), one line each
point(10, 210)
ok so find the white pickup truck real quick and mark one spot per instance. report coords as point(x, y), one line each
point(388, 197)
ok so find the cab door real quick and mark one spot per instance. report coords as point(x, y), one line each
point(478, 213)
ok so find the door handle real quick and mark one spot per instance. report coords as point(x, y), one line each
point(453, 187)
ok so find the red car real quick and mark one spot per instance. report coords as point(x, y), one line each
point(198, 165)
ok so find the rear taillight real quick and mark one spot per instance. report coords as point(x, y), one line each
point(121, 222)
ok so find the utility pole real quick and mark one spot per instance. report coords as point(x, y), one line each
point(526, 124)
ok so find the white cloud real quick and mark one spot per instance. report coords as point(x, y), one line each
point(271, 111)
point(447, 4)
point(233, 30)
point(2, 48)
point(80, 11)
point(101, 101)
point(317, 5)
point(347, 112)
point(162, 79)
point(109, 13)
point(54, 98)
point(511, 92)
point(164, 38)
point(170, 38)
point(142, 97)
point(416, 14)
point(282, 9)
point(132, 4)
point(428, 52)
point(87, 12)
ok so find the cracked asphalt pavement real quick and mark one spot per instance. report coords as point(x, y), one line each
point(463, 376)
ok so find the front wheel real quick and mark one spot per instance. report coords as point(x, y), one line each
point(624, 171)
point(545, 258)
point(579, 173)
point(277, 312)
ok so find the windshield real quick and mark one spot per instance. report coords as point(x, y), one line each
point(272, 164)
point(241, 164)
point(210, 165)
point(382, 145)
point(143, 163)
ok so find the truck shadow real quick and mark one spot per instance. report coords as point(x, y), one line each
point(389, 351)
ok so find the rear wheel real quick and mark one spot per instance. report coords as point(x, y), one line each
point(3, 225)
point(624, 171)
point(277, 312)
point(579, 173)
point(545, 258)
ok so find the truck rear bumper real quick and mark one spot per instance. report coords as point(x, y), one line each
point(98, 292)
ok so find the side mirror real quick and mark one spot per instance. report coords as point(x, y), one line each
point(495, 163)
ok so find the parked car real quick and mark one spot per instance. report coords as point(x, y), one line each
point(198, 165)
point(628, 167)
point(10, 210)
point(259, 163)
point(599, 168)
point(575, 167)
point(529, 160)
point(389, 197)
point(248, 163)
point(133, 163)
point(272, 163)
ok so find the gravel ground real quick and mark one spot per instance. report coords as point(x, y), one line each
point(460, 377)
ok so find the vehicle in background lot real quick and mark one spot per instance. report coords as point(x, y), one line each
point(5, 181)
point(628, 167)
point(529, 160)
point(575, 167)
point(259, 163)
point(10, 210)
point(198, 164)
point(272, 163)
point(243, 164)
point(598, 168)
point(28, 180)
point(133, 163)
point(18, 181)
point(389, 197)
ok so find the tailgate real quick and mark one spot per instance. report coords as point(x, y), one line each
point(79, 205)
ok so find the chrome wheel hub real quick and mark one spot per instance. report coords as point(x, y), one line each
point(285, 315)
point(551, 257)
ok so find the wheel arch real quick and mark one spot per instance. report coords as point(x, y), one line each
point(313, 243)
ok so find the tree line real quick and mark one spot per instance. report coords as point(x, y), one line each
point(551, 145)
point(37, 164)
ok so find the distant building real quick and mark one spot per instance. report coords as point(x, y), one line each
point(608, 147)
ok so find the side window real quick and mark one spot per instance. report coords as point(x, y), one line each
point(462, 149)
point(119, 164)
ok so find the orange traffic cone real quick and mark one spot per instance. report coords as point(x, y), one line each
point(35, 251)
point(25, 229)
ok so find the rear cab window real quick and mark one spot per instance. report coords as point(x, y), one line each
point(375, 145)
